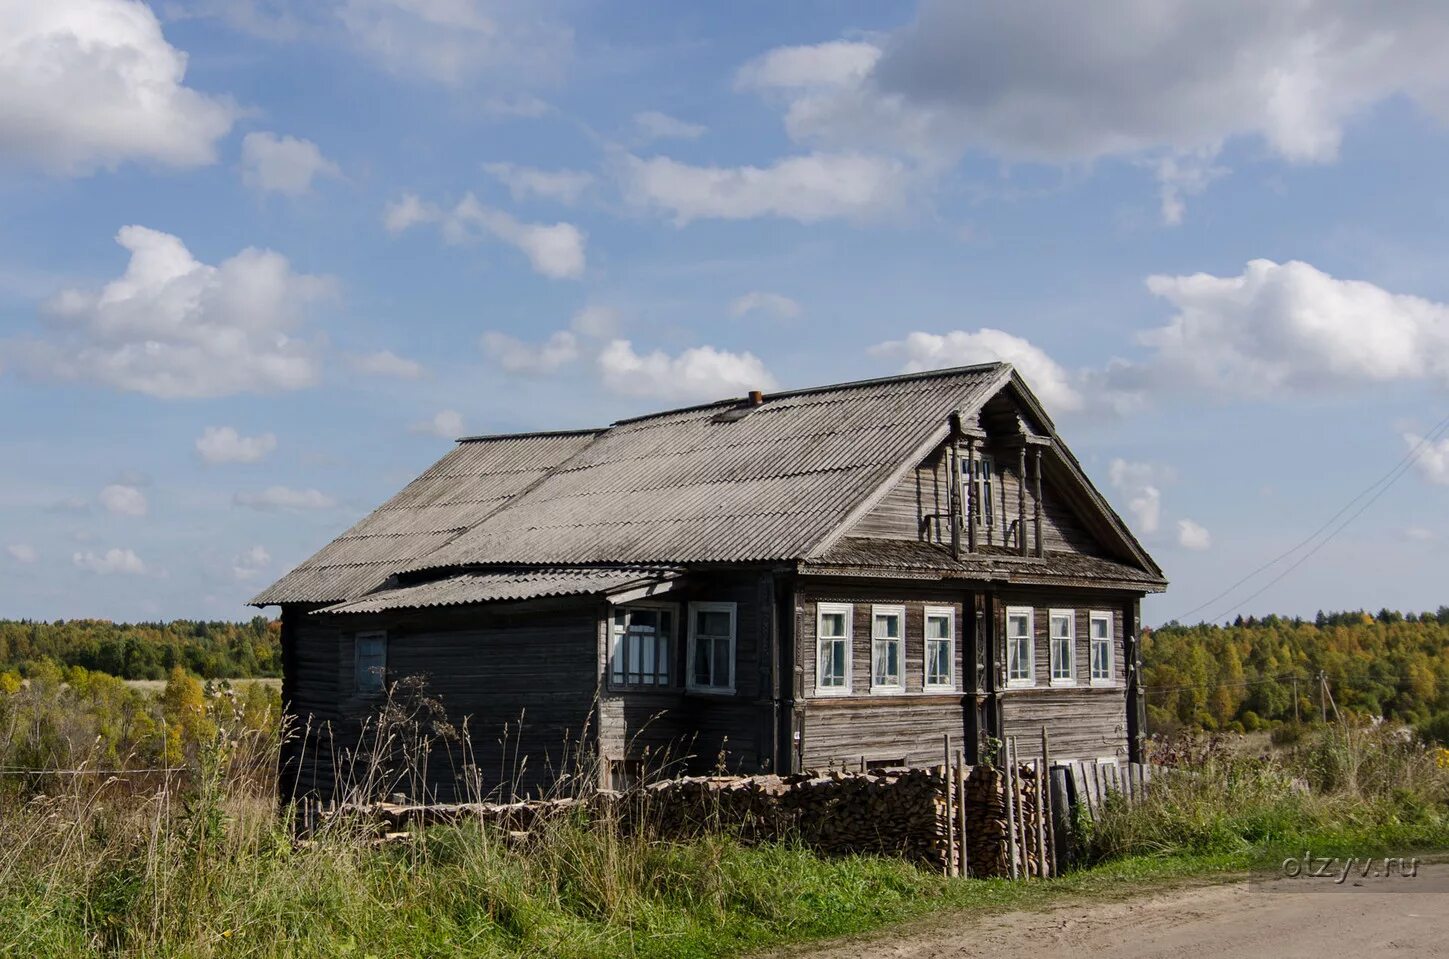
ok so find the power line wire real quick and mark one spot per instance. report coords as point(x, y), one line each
point(1386, 481)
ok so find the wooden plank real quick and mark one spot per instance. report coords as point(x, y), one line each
point(1046, 764)
point(1040, 818)
point(951, 800)
point(964, 866)
point(1084, 790)
point(1011, 806)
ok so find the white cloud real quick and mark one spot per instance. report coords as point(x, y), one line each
point(386, 363)
point(1433, 460)
point(445, 424)
point(408, 211)
point(1060, 81)
point(1139, 483)
point(275, 498)
point(285, 164)
point(123, 500)
point(524, 182)
point(653, 125)
point(835, 64)
point(597, 322)
point(114, 560)
point(173, 327)
point(23, 553)
point(927, 351)
point(1182, 176)
point(1192, 536)
point(250, 563)
point(89, 84)
point(809, 188)
point(700, 373)
point(555, 250)
point(516, 356)
point(1287, 327)
point(223, 444)
point(457, 41)
point(1420, 535)
point(759, 301)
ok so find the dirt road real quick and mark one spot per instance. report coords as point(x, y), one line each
point(1239, 921)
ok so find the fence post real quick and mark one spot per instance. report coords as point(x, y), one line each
point(1011, 804)
point(948, 782)
point(1046, 798)
point(963, 867)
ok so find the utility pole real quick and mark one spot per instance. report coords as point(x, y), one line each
point(1323, 695)
point(1295, 700)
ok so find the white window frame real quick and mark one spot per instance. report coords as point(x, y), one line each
point(1094, 617)
point(821, 610)
point(669, 646)
point(899, 686)
point(363, 684)
point(1030, 614)
point(732, 609)
point(948, 613)
point(1053, 617)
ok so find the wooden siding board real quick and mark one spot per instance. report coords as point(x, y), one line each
point(903, 513)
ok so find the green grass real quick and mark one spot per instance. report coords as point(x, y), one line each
point(108, 873)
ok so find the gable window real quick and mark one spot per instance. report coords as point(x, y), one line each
point(639, 651)
point(1063, 635)
point(370, 661)
point(1101, 633)
point(832, 648)
point(712, 647)
point(887, 634)
point(1019, 646)
point(940, 647)
point(979, 488)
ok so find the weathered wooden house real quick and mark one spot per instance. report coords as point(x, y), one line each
point(810, 578)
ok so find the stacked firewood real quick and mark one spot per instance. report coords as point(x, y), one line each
point(897, 812)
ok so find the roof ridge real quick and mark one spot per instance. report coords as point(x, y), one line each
point(527, 434)
point(823, 388)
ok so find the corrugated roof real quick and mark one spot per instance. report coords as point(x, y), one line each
point(473, 480)
point(505, 586)
point(684, 486)
point(990, 562)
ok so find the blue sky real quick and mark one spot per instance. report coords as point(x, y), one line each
point(260, 261)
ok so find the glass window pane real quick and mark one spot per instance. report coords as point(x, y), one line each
point(701, 663)
point(721, 675)
point(938, 670)
point(938, 627)
point(713, 622)
point(832, 624)
point(1101, 628)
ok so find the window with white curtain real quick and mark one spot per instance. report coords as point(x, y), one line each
point(643, 639)
point(940, 647)
point(887, 639)
point(1101, 633)
point(1063, 655)
point(1019, 658)
point(832, 648)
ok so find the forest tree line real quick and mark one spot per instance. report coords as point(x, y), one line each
point(1243, 676)
point(209, 649)
point(1246, 675)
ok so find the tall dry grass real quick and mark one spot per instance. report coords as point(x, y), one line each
point(1357, 786)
